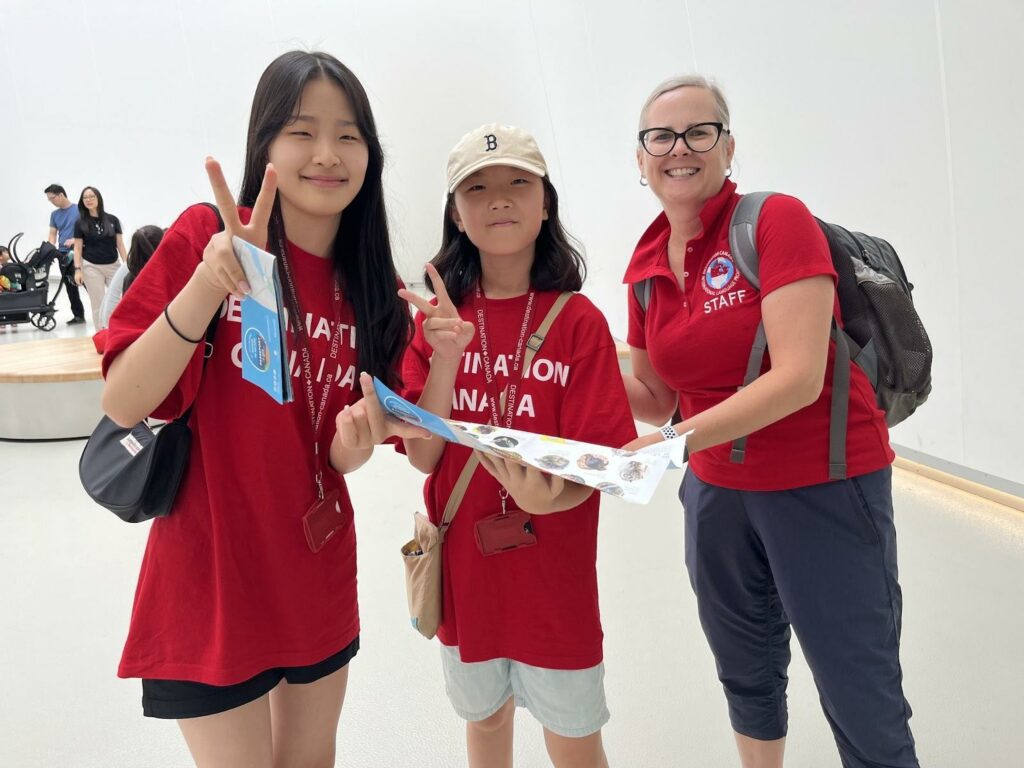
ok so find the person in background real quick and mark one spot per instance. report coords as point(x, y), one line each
point(62, 235)
point(144, 243)
point(98, 243)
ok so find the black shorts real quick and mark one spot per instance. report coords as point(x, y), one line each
point(180, 699)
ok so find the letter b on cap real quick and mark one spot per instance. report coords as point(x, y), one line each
point(492, 142)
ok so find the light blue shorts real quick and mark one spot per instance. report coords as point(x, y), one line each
point(568, 702)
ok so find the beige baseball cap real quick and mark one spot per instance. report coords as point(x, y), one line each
point(494, 144)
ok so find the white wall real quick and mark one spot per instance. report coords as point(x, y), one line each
point(982, 65)
point(898, 119)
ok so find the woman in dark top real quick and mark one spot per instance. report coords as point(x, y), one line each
point(98, 244)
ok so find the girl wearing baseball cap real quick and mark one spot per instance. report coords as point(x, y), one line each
point(521, 625)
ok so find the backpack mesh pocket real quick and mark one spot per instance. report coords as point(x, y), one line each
point(904, 350)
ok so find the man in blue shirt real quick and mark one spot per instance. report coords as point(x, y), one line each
point(62, 233)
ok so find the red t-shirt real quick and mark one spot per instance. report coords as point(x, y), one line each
point(699, 340)
point(228, 586)
point(537, 605)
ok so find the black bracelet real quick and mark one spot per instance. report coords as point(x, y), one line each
point(181, 335)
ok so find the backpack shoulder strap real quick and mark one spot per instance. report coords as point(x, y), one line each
point(743, 244)
point(642, 291)
point(743, 235)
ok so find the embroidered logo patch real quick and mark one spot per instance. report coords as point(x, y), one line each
point(720, 274)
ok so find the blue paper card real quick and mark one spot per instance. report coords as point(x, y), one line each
point(397, 406)
point(264, 341)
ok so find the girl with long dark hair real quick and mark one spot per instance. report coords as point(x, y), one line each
point(245, 617)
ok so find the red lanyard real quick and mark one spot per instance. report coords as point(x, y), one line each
point(515, 374)
point(316, 414)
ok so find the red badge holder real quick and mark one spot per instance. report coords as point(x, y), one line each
point(504, 532)
point(323, 520)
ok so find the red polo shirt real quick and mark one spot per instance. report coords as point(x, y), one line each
point(698, 339)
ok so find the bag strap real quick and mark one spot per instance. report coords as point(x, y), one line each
point(754, 362)
point(839, 406)
point(533, 345)
point(642, 291)
point(743, 244)
point(459, 491)
point(211, 329)
point(743, 235)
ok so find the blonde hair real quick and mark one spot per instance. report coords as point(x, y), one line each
point(688, 81)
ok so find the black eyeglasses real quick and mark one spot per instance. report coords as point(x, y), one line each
point(702, 137)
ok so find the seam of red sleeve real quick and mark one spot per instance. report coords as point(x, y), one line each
point(792, 276)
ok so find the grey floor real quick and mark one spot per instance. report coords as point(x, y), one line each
point(68, 569)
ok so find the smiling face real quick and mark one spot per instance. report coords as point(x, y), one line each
point(501, 209)
point(320, 155)
point(684, 178)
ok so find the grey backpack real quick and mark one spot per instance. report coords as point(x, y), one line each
point(882, 332)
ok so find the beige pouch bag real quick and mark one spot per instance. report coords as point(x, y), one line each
point(422, 556)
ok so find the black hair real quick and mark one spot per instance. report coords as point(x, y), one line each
point(362, 248)
point(557, 262)
point(83, 212)
point(144, 242)
point(55, 189)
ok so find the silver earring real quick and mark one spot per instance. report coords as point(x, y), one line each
point(643, 181)
point(728, 172)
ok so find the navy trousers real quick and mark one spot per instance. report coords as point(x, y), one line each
point(819, 559)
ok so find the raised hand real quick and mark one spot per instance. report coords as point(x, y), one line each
point(365, 424)
point(220, 267)
point(533, 491)
point(446, 333)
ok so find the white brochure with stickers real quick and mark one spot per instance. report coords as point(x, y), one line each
point(630, 475)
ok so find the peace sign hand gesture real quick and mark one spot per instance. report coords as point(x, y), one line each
point(446, 332)
point(220, 268)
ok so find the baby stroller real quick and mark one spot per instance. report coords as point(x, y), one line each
point(26, 298)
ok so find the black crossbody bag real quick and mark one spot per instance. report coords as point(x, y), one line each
point(135, 473)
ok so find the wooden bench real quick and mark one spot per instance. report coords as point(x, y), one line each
point(49, 390)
